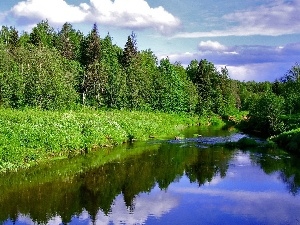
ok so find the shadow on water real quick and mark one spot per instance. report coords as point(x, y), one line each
point(46, 192)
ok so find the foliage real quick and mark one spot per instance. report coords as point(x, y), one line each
point(289, 89)
point(130, 50)
point(217, 93)
point(115, 86)
point(264, 114)
point(289, 140)
point(69, 41)
point(43, 35)
point(292, 121)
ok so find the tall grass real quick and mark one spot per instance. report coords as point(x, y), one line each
point(31, 136)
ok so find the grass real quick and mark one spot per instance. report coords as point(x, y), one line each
point(291, 121)
point(31, 136)
point(289, 140)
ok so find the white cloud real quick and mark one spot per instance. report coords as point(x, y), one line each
point(211, 46)
point(257, 72)
point(256, 203)
point(56, 11)
point(245, 62)
point(273, 19)
point(133, 14)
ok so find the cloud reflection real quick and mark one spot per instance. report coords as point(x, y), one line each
point(262, 206)
point(156, 205)
point(145, 205)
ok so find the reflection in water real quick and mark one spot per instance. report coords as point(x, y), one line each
point(171, 183)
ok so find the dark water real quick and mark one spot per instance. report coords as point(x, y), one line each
point(161, 182)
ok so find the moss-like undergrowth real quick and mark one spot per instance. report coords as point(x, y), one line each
point(31, 136)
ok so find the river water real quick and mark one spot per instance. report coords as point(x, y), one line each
point(159, 182)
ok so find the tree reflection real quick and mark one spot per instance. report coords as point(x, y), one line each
point(278, 161)
point(210, 162)
point(96, 189)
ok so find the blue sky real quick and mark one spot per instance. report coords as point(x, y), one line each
point(255, 39)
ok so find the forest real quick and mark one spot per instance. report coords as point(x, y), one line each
point(67, 70)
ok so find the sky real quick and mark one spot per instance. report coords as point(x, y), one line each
point(255, 39)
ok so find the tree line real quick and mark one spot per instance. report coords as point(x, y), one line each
point(64, 69)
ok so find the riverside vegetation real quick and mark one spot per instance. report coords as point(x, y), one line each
point(63, 93)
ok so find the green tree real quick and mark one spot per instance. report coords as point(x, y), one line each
point(192, 70)
point(265, 112)
point(24, 40)
point(130, 50)
point(147, 74)
point(205, 80)
point(10, 38)
point(68, 42)
point(290, 89)
point(175, 93)
point(43, 35)
point(93, 80)
point(90, 48)
point(49, 80)
point(115, 89)
point(130, 63)
point(11, 82)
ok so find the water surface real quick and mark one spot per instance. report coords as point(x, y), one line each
point(159, 182)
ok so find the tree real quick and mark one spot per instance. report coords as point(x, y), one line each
point(49, 79)
point(10, 38)
point(90, 47)
point(115, 89)
point(205, 80)
point(130, 50)
point(43, 35)
point(290, 89)
point(175, 93)
point(265, 112)
point(192, 70)
point(24, 40)
point(130, 63)
point(68, 42)
point(147, 74)
point(11, 81)
point(93, 80)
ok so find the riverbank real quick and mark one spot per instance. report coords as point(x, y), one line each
point(289, 140)
point(288, 136)
point(31, 136)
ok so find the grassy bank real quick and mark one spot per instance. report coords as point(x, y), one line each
point(30, 136)
point(289, 140)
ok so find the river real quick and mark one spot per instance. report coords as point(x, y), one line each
point(159, 182)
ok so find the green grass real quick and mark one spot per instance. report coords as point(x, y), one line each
point(291, 121)
point(31, 136)
point(289, 140)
